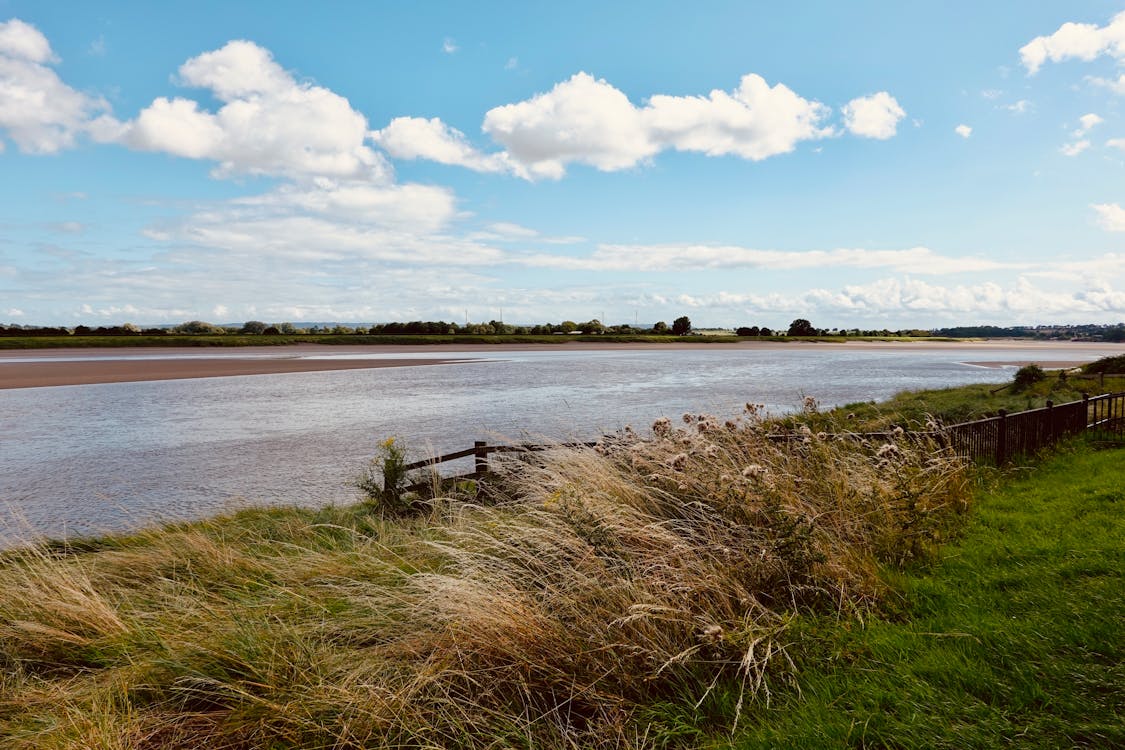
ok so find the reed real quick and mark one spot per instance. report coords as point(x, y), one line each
point(590, 590)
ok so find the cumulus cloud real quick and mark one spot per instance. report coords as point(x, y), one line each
point(419, 138)
point(963, 130)
point(269, 123)
point(1086, 123)
point(694, 257)
point(1117, 143)
point(589, 121)
point(875, 116)
point(1111, 217)
point(581, 119)
point(1081, 41)
point(1116, 86)
point(1075, 148)
point(39, 112)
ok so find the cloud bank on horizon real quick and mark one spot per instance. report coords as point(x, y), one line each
point(749, 204)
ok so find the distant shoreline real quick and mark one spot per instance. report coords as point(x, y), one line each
point(31, 368)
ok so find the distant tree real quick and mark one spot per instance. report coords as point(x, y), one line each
point(592, 326)
point(197, 327)
point(660, 327)
point(801, 327)
point(681, 326)
point(287, 328)
point(271, 331)
point(568, 326)
point(765, 332)
point(254, 326)
point(751, 331)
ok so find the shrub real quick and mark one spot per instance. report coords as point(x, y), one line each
point(1027, 376)
point(384, 483)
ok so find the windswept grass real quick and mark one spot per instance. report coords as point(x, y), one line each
point(592, 592)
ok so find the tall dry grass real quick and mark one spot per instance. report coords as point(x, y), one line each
point(596, 586)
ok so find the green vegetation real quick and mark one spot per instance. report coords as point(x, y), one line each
point(914, 409)
point(593, 590)
point(705, 586)
point(1013, 639)
point(237, 339)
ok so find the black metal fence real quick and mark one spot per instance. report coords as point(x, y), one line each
point(1001, 438)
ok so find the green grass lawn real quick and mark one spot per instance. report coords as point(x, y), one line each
point(1014, 638)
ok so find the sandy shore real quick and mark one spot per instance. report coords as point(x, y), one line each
point(28, 368)
point(54, 372)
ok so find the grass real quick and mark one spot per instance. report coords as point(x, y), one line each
point(914, 409)
point(1014, 639)
point(701, 586)
point(591, 592)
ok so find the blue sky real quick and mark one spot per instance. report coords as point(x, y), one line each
point(858, 164)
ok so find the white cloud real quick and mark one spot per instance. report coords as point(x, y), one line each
point(690, 257)
point(419, 138)
point(755, 121)
point(1116, 86)
point(589, 121)
point(15, 312)
point(963, 130)
point(1023, 105)
point(449, 46)
point(1086, 122)
point(874, 116)
point(269, 124)
point(579, 120)
point(1082, 41)
point(37, 110)
point(1111, 217)
point(512, 64)
point(1118, 143)
point(1074, 149)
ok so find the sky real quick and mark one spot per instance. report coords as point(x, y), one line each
point(861, 164)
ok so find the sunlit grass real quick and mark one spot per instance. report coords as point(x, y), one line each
point(591, 592)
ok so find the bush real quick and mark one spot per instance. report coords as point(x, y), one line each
point(1106, 365)
point(384, 483)
point(1027, 376)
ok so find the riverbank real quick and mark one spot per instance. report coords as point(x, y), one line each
point(1013, 639)
point(658, 596)
point(76, 366)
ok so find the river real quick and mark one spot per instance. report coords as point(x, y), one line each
point(90, 458)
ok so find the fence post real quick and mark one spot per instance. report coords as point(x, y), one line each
point(1002, 438)
point(1052, 429)
point(480, 458)
point(1085, 411)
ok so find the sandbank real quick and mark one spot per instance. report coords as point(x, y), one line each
point(52, 372)
point(28, 368)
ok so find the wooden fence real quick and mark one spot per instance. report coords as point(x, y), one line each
point(995, 440)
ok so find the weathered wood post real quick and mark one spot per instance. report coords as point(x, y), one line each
point(1085, 411)
point(1002, 438)
point(480, 458)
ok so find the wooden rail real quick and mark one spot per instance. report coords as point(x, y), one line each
point(995, 440)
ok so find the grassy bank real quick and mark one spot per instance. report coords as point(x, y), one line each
point(590, 602)
point(697, 586)
point(1014, 639)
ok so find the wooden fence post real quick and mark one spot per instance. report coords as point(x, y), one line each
point(480, 458)
point(1085, 411)
point(1002, 438)
point(1052, 429)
